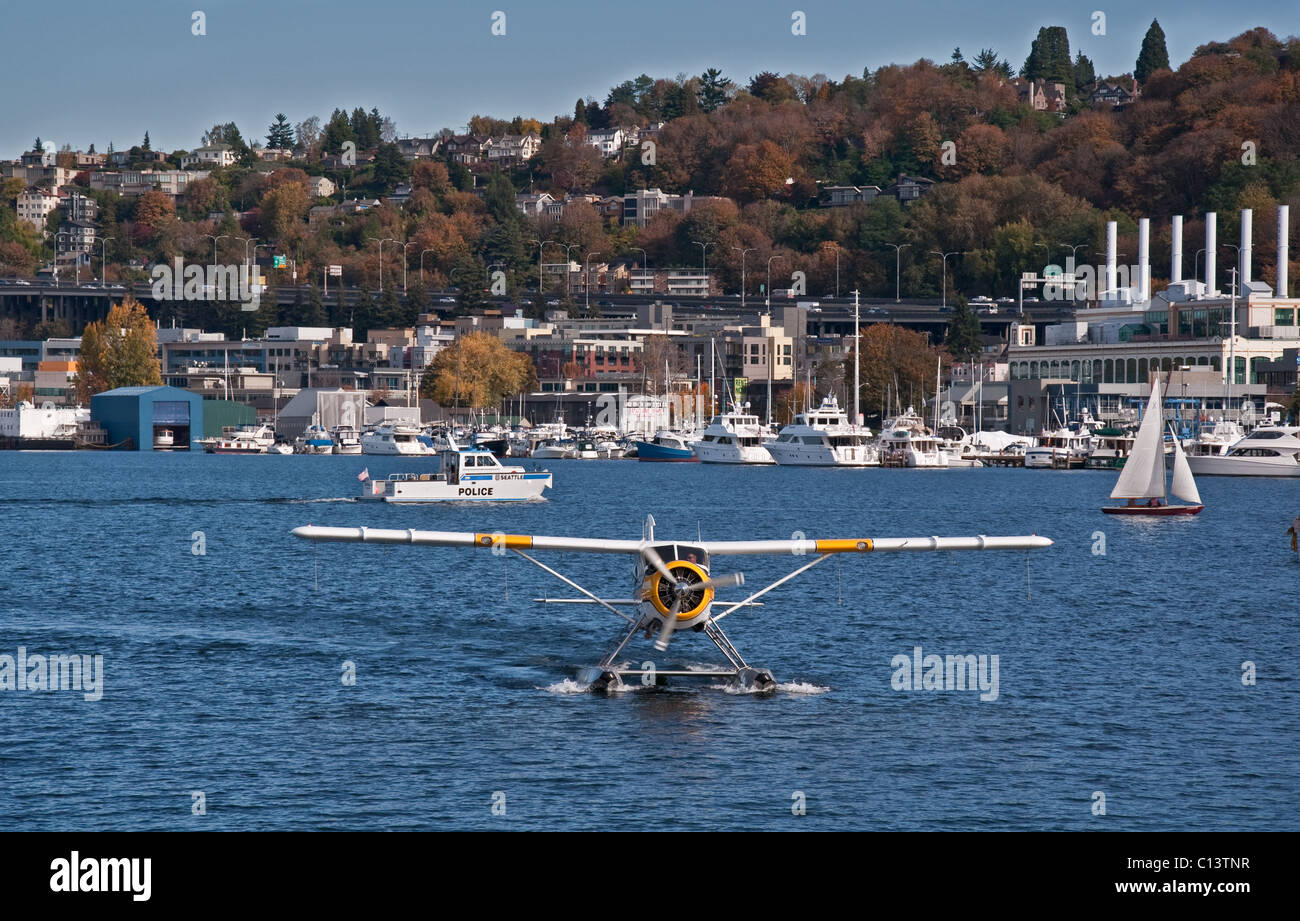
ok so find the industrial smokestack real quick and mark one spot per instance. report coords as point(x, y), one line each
point(1110, 256)
point(1283, 247)
point(1211, 241)
point(1176, 256)
point(1246, 235)
point(1144, 260)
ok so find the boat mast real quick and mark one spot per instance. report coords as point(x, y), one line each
point(857, 360)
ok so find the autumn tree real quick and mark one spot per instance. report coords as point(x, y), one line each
point(154, 208)
point(477, 371)
point(757, 171)
point(121, 351)
point(897, 362)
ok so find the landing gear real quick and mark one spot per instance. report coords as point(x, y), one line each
point(606, 677)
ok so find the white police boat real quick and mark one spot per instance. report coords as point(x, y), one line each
point(467, 475)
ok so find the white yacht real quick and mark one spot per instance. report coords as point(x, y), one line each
point(1272, 450)
point(394, 439)
point(906, 442)
point(1217, 441)
point(823, 437)
point(1060, 449)
point(734, 438)
point(347, 440)
point(554, 450)
point(243, 439)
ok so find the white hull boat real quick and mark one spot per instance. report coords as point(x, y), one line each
point(1268, 451)
point(470, 475)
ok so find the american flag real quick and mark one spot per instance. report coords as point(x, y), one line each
point(364, 475)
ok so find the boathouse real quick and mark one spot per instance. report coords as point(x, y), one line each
point(138, 418)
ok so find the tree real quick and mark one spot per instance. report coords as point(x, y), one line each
point(280, 134)
point(119, 352)
point(714, 91)
point(1085, 75)
point(145, 144)
point(390, 167)
point(1154, 55)
point(963, 339)
point(579, 113)
point(987, 62)
point(1049, 58)
point(153, 208)
point(478, 371)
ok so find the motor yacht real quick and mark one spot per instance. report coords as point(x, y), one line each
point(734, 438)
point(823, 437)
point(1272, 450)
point(392, 439)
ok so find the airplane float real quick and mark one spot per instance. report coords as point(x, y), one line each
point(673, 588)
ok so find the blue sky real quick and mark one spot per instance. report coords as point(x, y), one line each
point(80, 72)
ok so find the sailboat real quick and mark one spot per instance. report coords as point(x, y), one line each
point(1142, 478)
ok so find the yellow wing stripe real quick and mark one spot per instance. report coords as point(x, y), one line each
point(509, 541)
point(843, 546)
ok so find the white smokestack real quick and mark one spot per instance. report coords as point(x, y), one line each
point(1110, 256)
point(1283, 247)
point(1176, 256)
point(1246, 235)
point(1211, 241)
point(1144, 260)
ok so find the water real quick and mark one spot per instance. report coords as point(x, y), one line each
point(1118, 673)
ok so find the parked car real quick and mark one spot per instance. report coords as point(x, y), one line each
point(446, 300)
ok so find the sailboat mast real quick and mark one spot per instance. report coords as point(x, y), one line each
point(857, 359)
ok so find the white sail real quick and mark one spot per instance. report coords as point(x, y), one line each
point(1184, 487)
point(1143, 474)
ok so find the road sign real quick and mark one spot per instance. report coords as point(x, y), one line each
point(336, 271)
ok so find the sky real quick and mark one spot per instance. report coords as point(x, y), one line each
point(81, 72)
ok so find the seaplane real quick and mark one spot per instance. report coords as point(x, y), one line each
point(673, 588)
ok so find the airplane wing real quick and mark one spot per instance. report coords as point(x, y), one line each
point(802, 547)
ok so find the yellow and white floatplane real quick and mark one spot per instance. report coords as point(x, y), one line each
point(673, 588)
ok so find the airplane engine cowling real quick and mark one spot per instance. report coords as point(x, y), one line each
point(663, 594)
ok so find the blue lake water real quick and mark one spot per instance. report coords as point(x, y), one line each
point(1119, 672)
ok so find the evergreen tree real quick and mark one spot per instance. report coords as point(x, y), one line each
point(714, 89)
point(963, 339)
point(315, 314)
point(579, 114)
point(1049, 58)
point(280, 134)
point(37, 145)
point(1085, 75)
point(337, 132)
point(1154, 55)
point(145, 145)
point(391, 167)
point(500, 199)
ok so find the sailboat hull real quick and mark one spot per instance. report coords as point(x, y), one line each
point(1161, 510)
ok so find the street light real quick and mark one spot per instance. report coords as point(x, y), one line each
point(405, 247)
point(224, 236)
point(541, 245)
point(704, 262)
point(769, 285)
point(103, 267)
point(381, 243)
point(645, 265)
point(944, 257)
point(898, 268)
point(587, 282)
point(246, 240)
point(754, 249)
